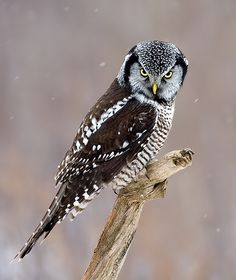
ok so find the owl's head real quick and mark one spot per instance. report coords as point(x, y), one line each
point(154, 69)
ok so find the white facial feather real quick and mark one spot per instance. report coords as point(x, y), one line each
point(139, 83)
point(170, 87)
point(167, 87)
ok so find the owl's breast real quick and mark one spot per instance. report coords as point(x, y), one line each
point(149, 149)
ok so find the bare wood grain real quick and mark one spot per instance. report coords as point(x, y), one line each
point(122, 223)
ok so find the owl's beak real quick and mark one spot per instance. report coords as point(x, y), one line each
point(154, 88)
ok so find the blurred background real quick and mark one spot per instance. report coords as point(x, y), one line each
point(57, 58)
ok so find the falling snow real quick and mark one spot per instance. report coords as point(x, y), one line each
point(102, 64)
point(16, 78)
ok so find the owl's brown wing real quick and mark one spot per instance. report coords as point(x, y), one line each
point(117, 142)
point(112, 126)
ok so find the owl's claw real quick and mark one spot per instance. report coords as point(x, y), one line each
point(187, 153)
point(186, 157)
point(146, 173)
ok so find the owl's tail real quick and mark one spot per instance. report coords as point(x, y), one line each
point(68, 200)
point(45, 226)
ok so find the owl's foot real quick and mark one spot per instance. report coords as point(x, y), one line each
point(186, 157)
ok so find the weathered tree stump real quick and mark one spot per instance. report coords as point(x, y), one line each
point(122, 223)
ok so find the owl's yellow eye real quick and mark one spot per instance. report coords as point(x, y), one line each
point(168, 75)
point(143, 73)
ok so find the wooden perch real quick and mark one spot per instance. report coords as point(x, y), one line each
point(121, 226)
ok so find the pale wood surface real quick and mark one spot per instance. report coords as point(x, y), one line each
point(122, 223)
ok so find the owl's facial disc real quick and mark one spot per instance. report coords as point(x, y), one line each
point(163, 87)
point(154, 69)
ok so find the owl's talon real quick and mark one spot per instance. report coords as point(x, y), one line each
point(187, 153)
point(186, 157)
point(146, 173)
point(116, 191)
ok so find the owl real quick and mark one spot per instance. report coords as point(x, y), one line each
point(122, 132)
